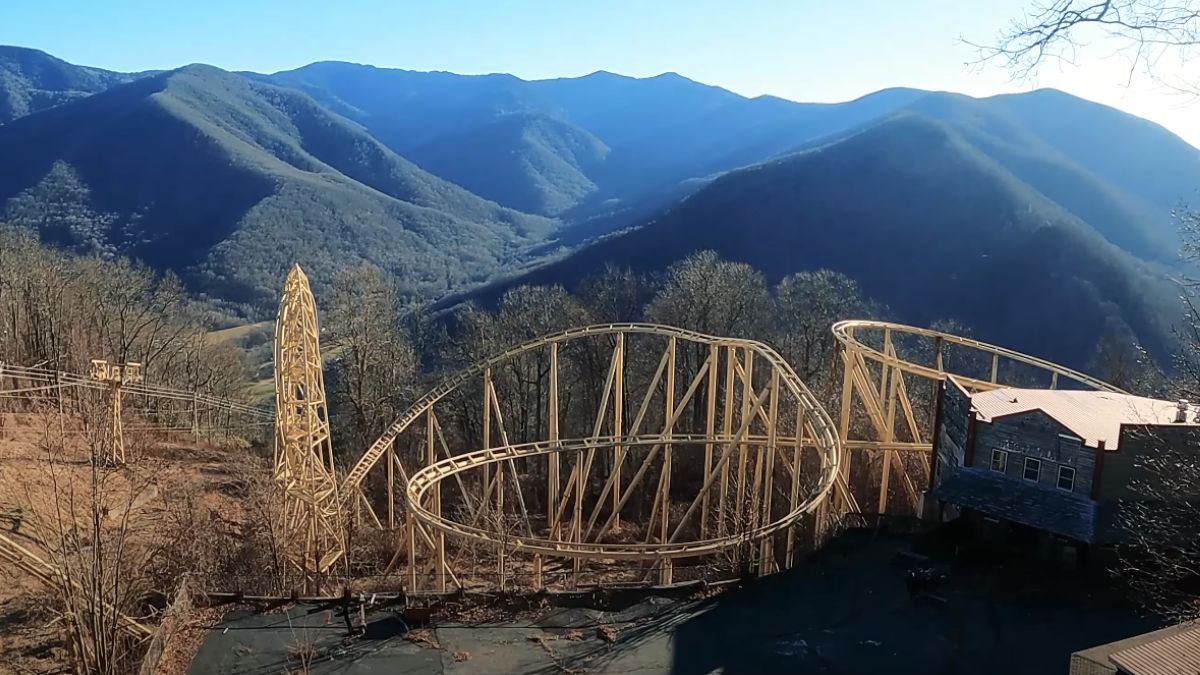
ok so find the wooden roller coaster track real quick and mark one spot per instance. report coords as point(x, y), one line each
point(741, 425)
point(884, 363)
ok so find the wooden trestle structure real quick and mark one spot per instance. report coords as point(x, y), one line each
point(303, 460)
point(890, 376)
point(623, 447)
point(618, 453)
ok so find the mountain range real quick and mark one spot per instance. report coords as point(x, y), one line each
point(1040, 219)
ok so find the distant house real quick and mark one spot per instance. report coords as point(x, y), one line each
point(1058, 461)
point(1170, 651)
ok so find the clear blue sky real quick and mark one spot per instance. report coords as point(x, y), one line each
point(799, 49)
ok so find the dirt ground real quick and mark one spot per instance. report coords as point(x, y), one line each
point(33, 488)
point(846, 610)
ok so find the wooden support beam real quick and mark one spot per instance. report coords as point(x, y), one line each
point(726, 454)
point(714, 352)
point(672, 420)
point(743, 448)
point(668, 430)
point(553, 470)
point(618, 426)
point(766, 556)
point(889, 434)
point(512, 469)
point(484, 503)
point(849, 365)
point(391, 486)
point(439, 538)
point(726, 432)
point(794, 495)
point(637, 478)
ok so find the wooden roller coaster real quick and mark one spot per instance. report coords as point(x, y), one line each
point(728, 416)
point(892, 371)
point(616, 453)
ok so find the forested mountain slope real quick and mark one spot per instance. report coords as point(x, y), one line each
point(1004, 212)
point(229, 181)
point(925, 222)
point(608, 137)
point(32, 80)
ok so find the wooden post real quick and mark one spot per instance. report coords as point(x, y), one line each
point(889, 435)
point(412, 552)
point(553, 477)
point(487, 436)
point(195, 414)
point(766, 562)
point(391, 485)
point(794, 495)
point(439, 540)
point(618, 422)
point(726, 434)
point(935, 384)
point(849, 363)
point(743, 448)
point(709, 429)
point(668, 432)
point(116, 430)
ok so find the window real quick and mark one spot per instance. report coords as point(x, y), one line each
point(1033, 469)
point(1066, 478)
point(999, 460)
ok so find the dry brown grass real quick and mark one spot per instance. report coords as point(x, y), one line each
point(46, 473)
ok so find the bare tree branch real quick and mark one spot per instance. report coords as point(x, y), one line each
point(1148, 30)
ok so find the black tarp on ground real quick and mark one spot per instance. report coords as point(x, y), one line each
point(847, 610)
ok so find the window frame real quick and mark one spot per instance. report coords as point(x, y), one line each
point(1058, 479)
point(1003, 456)
point(1025, 470)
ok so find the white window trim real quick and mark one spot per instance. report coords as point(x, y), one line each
point(1058, 479)
point(1004, 465)
point(1025, 470)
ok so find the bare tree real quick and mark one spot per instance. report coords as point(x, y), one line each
point(714, 296)
point(58, 310)
point(87, 537)
point(1121, 361)
point(807, 305)
point(1148, 30)
point(1157, 520)
point(616, 294)
point(374, 365)
point(138, 315)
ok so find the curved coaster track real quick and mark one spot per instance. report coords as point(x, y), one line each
point(620, 454)
point(890, 378)
point(637, 443)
